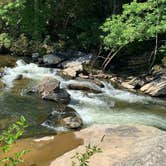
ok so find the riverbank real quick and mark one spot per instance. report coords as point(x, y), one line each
point(121, 145)
point(92, 99)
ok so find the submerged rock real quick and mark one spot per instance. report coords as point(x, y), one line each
point(120, 146)
point(2, 85)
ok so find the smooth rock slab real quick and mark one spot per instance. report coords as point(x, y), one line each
point(121, 146)
point(155, 88)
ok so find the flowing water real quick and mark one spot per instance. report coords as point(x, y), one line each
point(112, 106)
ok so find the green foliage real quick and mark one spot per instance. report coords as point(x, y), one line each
point(16, 159)
point(139, 21)
point(9, 137)
point(20, 46)
point(5, 40)
point(83, 158)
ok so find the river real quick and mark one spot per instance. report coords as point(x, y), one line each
point(112, 106)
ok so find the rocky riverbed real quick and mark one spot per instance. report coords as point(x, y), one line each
point(69, 97)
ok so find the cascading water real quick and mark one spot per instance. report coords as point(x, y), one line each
point(111, 106)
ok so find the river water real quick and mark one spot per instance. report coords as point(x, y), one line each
point(112, 106)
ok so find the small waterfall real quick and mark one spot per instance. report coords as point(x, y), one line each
point(31, 71)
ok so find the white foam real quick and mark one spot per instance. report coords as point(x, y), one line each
point(31, 71)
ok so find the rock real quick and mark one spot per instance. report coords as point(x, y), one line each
point(72, 122)
point(155, 88)
point(127, 85)
point(134, 83)
point(84, 87)
point(156, 69)
point(2, 85)
point(72, 69)
point(48, 85)
point(66, 117)
point(19, 77)
point(49, 89)
point(164, 61)
point(121, 146)
point(35, 57)
point(98, 83)
point(1, 72)
point(52, 60)
point(59, 96)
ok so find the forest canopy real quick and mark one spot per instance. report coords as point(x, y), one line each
point(89, 25)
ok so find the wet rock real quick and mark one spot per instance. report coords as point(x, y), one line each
point(48, 85)
point(59, 96)
point(72, 122)
point(2, 85)
point(84, 87)
point(155, 88)
point(19, 77)
point(98, 83)
point(49, 89)
point(20, 86)
point(66, 117)
point(120, 145)
point(52, 60)
point(1, 72)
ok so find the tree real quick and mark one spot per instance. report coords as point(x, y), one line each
point(139, 21)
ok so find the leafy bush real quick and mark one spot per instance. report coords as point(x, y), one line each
point(139, 21)
point(9, 137)
point(83, 158)
point(5, 40)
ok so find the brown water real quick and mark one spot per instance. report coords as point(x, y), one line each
point(43, 152)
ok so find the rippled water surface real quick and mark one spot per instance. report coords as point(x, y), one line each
point(111, 106)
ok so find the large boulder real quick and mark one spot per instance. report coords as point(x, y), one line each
point(155, 88)
point(59, 96)
point(120, 146)
point(48, 85)
point(49, 89)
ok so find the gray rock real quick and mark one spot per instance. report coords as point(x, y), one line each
point(48, 85)
point(52, 60)
point(72, 122)
point(35, 57)
point(59, 96)
point(66, 117)
point(84, 87)
point(121, 146)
